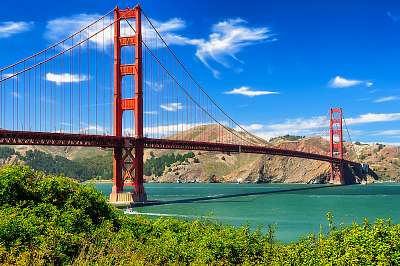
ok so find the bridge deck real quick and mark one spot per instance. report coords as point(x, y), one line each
point(65, 139)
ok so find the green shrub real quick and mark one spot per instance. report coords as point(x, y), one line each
point(6, 152)
point(50, 220)
point(156, 165)
point(49, 216)
point(99, 166)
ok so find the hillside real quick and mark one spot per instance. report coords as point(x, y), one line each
point(217, 167)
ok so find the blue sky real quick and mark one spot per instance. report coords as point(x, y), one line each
point(275, 66)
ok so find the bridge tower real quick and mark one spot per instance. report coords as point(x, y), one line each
point(336, 145)
point(128, 159)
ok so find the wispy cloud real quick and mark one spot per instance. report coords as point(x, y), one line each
point(150, 112)
point(163, 130)
point(317, 125)
point(393, 17)
point(168, 29)
point(8, 75)
point(373, 118)
point(65, 78)
point(154, 85)
point(251, 127)
point(297, 126)
point(9, 28)
point(93, 129)
point(227, 39)
point(15, 94)
point(388, 132)
point(168, 130)
point(341, 82)
point(172, 107)
point(59, 28)
point(247, 91)
point(387, 99)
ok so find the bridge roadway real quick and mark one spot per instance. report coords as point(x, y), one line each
point(65, 139)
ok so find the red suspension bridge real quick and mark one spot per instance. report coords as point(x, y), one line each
point(117, 84)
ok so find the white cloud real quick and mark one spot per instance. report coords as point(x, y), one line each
point(154, 85)
point(369, 84)
point(394, 18)
point(93, 129)
point(9, 75)
point(9, 28)
point(227, 39)
point(373, 118)
point(340, 82)
point(300, 124)
point(59, 28)
point(65, 78)
point(318, 125)
point(248, 92)
point(172, 107)
point(381, 142)
point(387, 99)
point(15, 94)
point(168, 30)
point(251, 127)
point(172, 24)
point(62, 27)
point(389, 132)
point(164, 130)
point(150, 112)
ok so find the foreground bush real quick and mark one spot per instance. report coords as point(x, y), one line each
point(54, 220)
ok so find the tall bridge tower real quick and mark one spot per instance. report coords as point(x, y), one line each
point(128, 160)
point(336, 145)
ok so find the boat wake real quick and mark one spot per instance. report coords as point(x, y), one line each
point(133, 212)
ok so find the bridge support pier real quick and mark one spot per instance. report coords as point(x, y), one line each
point(139, 194)
point(337, 174)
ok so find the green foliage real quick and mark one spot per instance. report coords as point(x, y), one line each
point(362, 157)
point(99, 167)
point(287, 137)
point(6, 152)
point(50, 220)
point(156, 165)
point(48, 217)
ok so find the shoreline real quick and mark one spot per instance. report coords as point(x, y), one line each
point(110, 181)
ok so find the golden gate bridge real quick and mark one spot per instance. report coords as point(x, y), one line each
point(117, 84)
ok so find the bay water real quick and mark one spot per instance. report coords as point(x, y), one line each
point(296, 210)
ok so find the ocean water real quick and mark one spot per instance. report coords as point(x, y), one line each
point(296, 210)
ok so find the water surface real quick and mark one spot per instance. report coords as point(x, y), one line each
point(295, 209)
